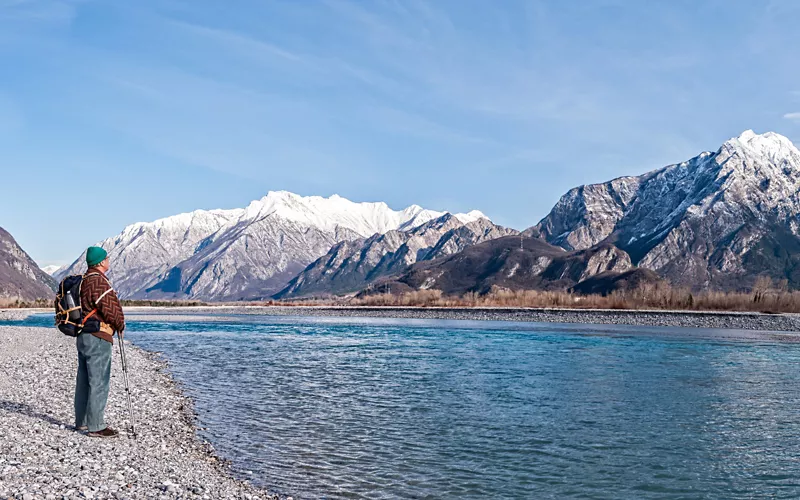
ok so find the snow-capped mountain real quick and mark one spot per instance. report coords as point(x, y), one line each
point(719, 219)
point(144, 251)
point(350, 266)
point(244, 253)
point(50, 269)
point(20, 277)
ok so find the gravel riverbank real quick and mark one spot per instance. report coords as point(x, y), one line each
point(18, 314)
point(41, 456)
point(690, 319)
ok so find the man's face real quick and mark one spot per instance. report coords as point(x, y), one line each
point(106, 264)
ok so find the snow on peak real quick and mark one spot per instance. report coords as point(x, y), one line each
point(186, 230)
point(471, 216)
point(51, 269)
point(176, 223)
point(179, 235)
point(746, 135)
point(768, 145)
point(365, 218)
point(413, 210)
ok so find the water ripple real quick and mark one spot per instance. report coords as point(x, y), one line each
point(322, 409)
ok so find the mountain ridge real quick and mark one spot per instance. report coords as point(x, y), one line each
point(352, 265)
point(720, 221)
point(240, 253)
point(695, 221)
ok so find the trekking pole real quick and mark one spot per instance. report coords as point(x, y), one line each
point(127, 384)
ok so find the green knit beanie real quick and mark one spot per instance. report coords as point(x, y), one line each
point(95, 255)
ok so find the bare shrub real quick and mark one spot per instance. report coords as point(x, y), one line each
point(17, 303)
point(766, 296)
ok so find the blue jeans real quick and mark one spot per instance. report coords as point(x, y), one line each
point(92, 381)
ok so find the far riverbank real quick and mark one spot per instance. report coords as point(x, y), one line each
point(686, 319)
point(693, 319)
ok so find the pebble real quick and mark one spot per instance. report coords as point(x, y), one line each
point(18, 314)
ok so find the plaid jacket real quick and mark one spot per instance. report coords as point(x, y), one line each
point(96, 293)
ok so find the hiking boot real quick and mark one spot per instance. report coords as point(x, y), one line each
point(108, 432)
point(82, 428)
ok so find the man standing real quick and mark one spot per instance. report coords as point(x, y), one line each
point(99, 301)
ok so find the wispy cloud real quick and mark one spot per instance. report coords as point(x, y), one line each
point(500, 76)
point(240, 45)
point(237, 42)
point(795, 117)
point(199, 120)
point(49, 11)
point(411, 124)
point(365, 85)
point(414, 69)
point(424, 61)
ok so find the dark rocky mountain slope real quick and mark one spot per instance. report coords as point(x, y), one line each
point(610, 282)
point(512, 263)
point(352, 265)
point(20, 277)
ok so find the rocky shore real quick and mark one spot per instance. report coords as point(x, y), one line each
point(42, 456)
point(18, 314)
point(688, 319)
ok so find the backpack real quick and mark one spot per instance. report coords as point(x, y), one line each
point(70, 318)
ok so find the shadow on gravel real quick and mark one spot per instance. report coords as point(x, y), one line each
point(27, 410)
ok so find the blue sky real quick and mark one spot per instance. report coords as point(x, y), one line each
point(117, 112)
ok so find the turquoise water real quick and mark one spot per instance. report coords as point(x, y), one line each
point(438, 409)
